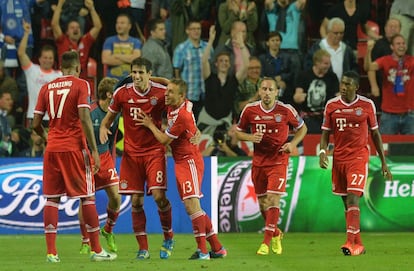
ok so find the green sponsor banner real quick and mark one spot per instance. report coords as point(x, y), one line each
point(309, 205)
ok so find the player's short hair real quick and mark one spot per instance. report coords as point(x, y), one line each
point(142, 62)
point(319, 54)
point(353, 75)
point(106, 85)
point(69, 60)
point(266, 78)
point(182, 85)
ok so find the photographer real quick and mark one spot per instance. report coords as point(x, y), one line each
point(225, 144)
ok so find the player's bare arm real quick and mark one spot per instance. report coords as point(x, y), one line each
point(86, 121)
point(145, 120)
point(299, 135)
point(104, 130)
point(255, 138)
point(323, 157)
point(376, 138)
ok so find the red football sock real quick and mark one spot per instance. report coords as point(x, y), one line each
point(90, 216)
point(111, 220)
point(50, 220)
point(199, 230)
point(139, 221)
point(270, 226)
point(353, 225)
point(211, 236)
point(166, 221)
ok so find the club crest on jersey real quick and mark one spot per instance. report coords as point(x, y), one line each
point(153, 100)
point(278, 118)
point(123, 184)
point(358, 111)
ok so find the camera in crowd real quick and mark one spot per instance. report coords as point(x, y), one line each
point(220, 136)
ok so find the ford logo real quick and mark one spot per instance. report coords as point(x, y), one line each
point(21, 200)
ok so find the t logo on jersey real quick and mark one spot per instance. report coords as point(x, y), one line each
point(261, 128)
point(341, 123)
point(133, 112)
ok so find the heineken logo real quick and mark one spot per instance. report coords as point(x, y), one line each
point(392, 200)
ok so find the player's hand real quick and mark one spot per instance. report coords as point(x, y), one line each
point(323, 160)
point(257, 137)
point(370, 44)
point(287, 148)
point(103, 134)
point(144, 119)
point(96, 162)
point(386, 173)
point(195, 140)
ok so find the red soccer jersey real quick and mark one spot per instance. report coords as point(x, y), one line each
point(392, 102)
point(64, 44)
point(139, 140)
point(349, 124)
point(181, 127)
point(274, 124)
point(61, 99)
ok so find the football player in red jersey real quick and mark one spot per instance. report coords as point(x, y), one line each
point(67, 165)
point(143, 164)
point(269, 121)
point(351, 118)
point(189, 165)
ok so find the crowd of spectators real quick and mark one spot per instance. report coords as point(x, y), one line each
point(221, 48)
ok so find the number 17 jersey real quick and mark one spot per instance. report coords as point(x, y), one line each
point(60, 99)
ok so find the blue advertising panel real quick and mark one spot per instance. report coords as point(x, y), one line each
point(21, 201)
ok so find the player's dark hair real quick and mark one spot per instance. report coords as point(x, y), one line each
point(353, 75)
point(182, 85)
point(69, 60)
point(142, 62)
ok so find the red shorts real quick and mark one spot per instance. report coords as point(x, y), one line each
point(189, 175)
point(68, 173)
point(271, 179)
point(138, 170)
point(107, 175)
point(349, 177)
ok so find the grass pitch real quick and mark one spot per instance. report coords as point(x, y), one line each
point(301, 251)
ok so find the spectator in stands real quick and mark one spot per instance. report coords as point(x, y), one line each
point(181, 13)
point(73, 39)
point(9, 83)
point(381, 48)
point(237, 10)
point(403, 10)
point(225, 143)
point(277, 65)
point(353, 15)
point(20, 138)
point(72, 10)
point(397, 87)
point(342, 56)
point(155, 49)
point(36, 146)
point(36, 75)
point(284, 16)
point(6, 105)
point(220, 87)
point(187, 64)
point(160, 9)
point(234, 47)
point(118, 51)
point(136, 11)
point(247, 91)
point(314, 88)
